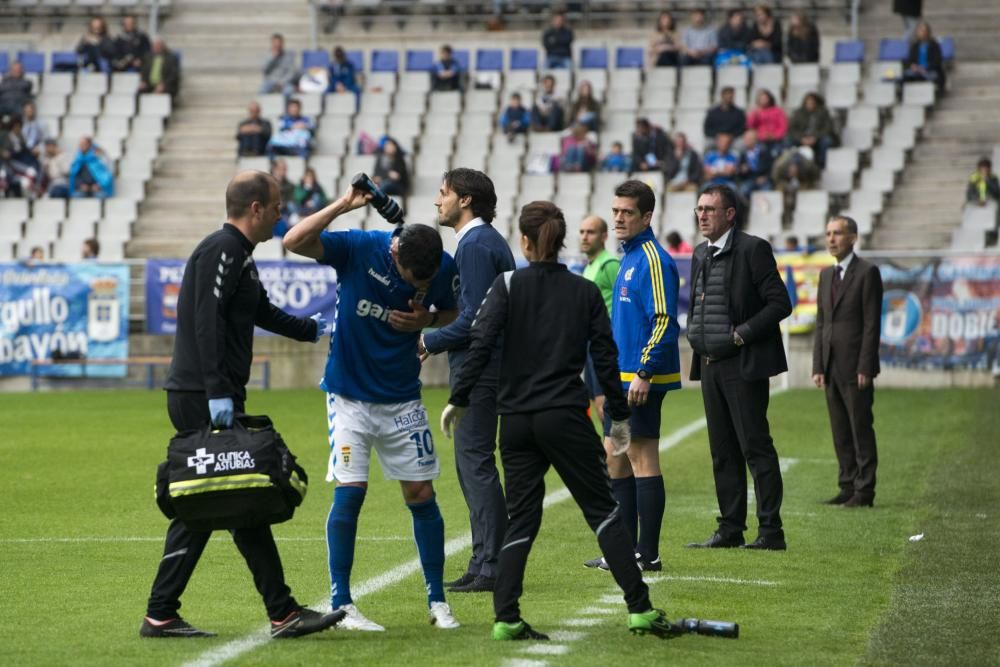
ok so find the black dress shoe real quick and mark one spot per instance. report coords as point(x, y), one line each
point(840, 498)
point(772, 543)
point(464, 580)
point(719, 541)
point(479, 584)
point(859, 501)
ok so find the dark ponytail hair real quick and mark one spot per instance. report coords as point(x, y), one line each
point(544, 225)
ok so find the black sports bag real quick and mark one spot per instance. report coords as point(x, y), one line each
point(230, 478)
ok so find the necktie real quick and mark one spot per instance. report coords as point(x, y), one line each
point(837, 282)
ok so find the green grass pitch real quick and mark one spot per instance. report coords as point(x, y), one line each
point(80, 537)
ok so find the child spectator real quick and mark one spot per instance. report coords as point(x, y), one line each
point(90, 175)
point(579, 153)
point(446, 72)
point(161, 70)
point(765, 42)
point(391, 173)
point(131, 46)
point(280, 69)
point(682, 169)
point(769, 120)
point(664, 48)
point(558, 42)
point(676, 245)
point(95, 50)
point(295, 132)
point(56, 166)
point(90, 249)
point(515, 119)
point(754, 170)
point(616, 160)
point(983, 185)
point(803, 40)
point(924, 62)
point(812, 126)
point(721, 163)
point(343, 76)
point(253, 133)
point(585, 109)
point(699, 42)
point(547, 114)
point(309, 195)
point(650, 146)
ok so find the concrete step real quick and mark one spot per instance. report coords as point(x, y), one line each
point(886, 239)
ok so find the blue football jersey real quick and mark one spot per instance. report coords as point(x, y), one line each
point(369, 360)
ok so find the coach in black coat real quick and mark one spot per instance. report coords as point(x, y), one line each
point(737, 301)
point(845, 359)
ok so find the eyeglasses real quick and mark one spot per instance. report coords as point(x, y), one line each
point(698, 210)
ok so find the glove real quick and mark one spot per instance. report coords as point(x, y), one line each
point(450, 417)
point(221, 411)
point(322, 328)
point(621, 437)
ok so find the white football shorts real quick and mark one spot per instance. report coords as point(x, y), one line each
point(398, 432)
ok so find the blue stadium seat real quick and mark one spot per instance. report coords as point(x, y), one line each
point(849, 51)
point(594, 58)
point(63, 61)
point(489, 60)
point(893, 49)
point(629, 57)
point(524, 59)
point(947, 49)
point(33, 61)
point(419, 60)
point(317, 58)
point(463, 58)
point(385, 61)
point(4, 62)
point(357, 58)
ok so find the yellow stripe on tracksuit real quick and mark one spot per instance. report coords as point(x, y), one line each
point(225, 483)
point(659, 300)
point(670, 378)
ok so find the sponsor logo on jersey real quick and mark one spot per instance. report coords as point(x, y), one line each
point(628, 274)
point(366, 308)
point(410, 421)
point(378, 276)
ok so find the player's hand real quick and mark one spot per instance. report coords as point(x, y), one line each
point(819, 380)
point(450, 418)
point(354, 198)
point(322, 327)
point(221, 411)
point(638, 392)
point(863, 381)
point(422, 352)
point(416, 320)
point(620, 436)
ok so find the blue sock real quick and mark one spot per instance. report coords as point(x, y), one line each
point(624, 492)
point(428, 532)
point(341, 530)
point(651, 497)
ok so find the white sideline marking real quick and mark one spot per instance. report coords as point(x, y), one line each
point(585, 622)
point(237, 647)
point(596, 611)
point(547, 649)
point(566, 635)
point(218, 538)
point(613, 599)
point(714, 580)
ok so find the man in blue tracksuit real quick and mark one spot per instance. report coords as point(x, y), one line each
point(645, 328)
point(467, 203)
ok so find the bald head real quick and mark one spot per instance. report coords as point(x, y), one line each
point(593, 235)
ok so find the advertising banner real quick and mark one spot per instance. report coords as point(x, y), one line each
point(63, 312)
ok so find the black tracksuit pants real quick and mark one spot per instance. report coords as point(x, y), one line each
point(565, 439)
point(183, 547)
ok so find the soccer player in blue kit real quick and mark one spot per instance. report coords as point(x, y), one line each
point(390, 286)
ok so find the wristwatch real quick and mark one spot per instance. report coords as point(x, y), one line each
point(644, 374)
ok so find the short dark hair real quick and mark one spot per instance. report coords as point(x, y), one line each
point(727, 89)
point(984, 162)
point(475, 184)
point(545, 226)
point(419, 250)
point(93, 246)
point(245, 189)
point(730, 199)
point(849, 222)
point(674, 239)
point(640, 192)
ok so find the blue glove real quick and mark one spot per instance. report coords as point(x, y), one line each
point(322, 328)
point(221, 410)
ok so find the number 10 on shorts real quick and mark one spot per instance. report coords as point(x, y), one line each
point(424, 443)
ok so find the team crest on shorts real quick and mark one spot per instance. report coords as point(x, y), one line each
point(345, 454)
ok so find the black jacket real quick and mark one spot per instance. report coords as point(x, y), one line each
point(732, 121)
point(758, 301)
point(548, 317)
point(221, 300)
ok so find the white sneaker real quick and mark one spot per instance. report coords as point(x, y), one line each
point(355, 620)
point(440, 615)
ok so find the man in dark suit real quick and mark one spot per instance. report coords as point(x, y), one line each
point(737, 301)
point(845, 359)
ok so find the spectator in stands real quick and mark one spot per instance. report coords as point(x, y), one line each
point(735, 34)
point(161, 70)
point(446, 72)
point(910, 11)
point(16, 177)
point(295, 133)
point(924, 62)
point(15, 90)
point(725, 116)
point(578, 151)
point(983, 185)
point(391, 173)
point(309, 195)
point(558, 42)
point(96, 49)
point(721, 163)
point(812, 125)
point(131, 46)
point(754, 170)
point(90, 249)
point(342, 73)
point(791, 245)
point(547, 114)
point(766, 44)
point(22, 155)
point(616, 160)
point(90, 174)
point(676, 245)
point(286, 190)
point(803, 40)
point(682, 169)
point(769, 120)
point(37, 254)
point(515, 119)
point(280, 69)
point(664, 48)
point(795, 170)
point(253, 133)
point(56, 166)
point(34, 130)
point(585, 108)
point(650, 146)
point(699, 41)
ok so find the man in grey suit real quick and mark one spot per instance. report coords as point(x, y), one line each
point(845, 359)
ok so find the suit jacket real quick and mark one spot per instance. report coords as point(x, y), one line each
point(758, 301)
point(850, 327)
